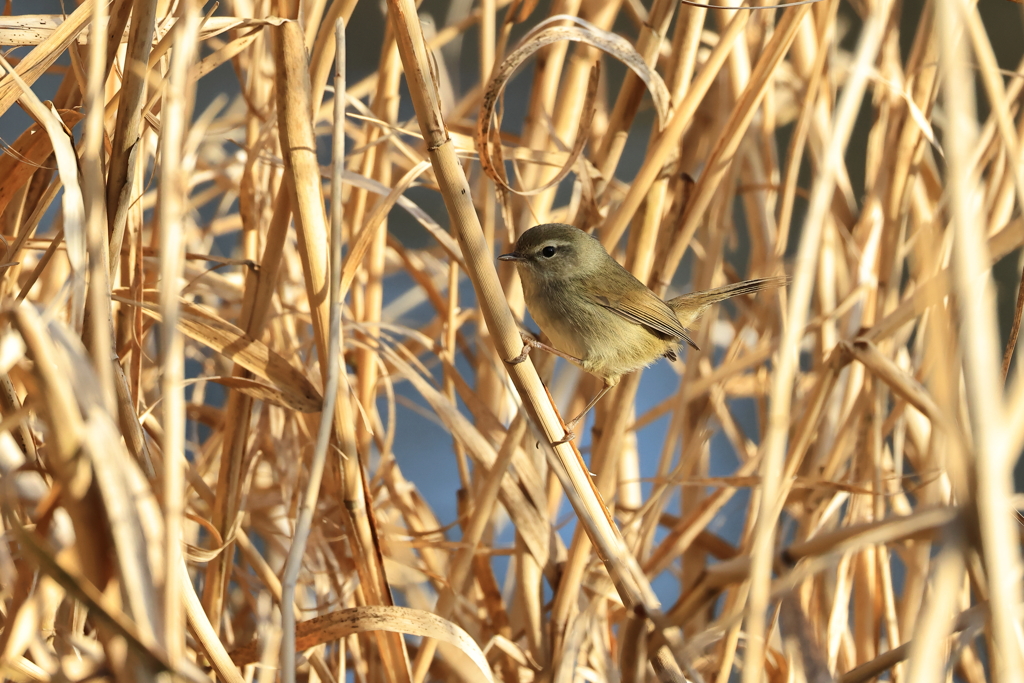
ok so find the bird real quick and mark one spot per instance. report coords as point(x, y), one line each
point(597, 314)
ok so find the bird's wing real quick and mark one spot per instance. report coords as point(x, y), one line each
point(641, 306)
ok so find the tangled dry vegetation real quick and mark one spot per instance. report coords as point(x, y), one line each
point(188, 487)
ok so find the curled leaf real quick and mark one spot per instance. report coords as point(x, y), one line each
point(368, 618)
point(544, 34)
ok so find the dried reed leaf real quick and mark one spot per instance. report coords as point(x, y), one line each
point(62, 141)
point(24, 157)
point(225, 53)
point(28, 29)
point(33, 29)
point(577, 147)
point(450, 246)
point(373, 618)
point(374, 221)
point(36, 62)
point(541, 36)
point(660, 150)
point(204, 632)
point(263, 392)
point(290, 387)
point(529, 523)
point(83, 590)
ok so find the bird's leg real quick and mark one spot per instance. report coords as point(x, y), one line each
point(530, 343)
point(569, 434)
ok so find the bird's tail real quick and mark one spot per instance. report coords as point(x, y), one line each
point(689, 307)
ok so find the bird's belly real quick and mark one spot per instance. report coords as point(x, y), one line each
point(606, 344)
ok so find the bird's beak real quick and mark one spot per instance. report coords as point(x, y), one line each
point(511, 257)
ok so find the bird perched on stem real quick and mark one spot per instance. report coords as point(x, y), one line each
point(596, 313)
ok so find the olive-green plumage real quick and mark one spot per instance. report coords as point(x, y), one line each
point(596, 312)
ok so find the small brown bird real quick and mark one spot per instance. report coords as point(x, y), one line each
point(596, 313)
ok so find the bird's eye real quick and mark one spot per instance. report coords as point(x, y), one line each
point(548, 251)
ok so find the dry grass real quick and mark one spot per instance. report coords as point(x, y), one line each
point(156, 522)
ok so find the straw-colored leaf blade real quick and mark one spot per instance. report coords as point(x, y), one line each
point(371, 618)
point(290, 387)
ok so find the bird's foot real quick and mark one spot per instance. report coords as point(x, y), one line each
point(529, 343)
point(521, 357)
point(566, 438)
point(570, 433)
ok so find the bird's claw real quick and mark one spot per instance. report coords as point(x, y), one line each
point(566, 438)
point(528, 345)
point(521, 357)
